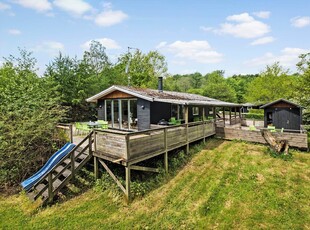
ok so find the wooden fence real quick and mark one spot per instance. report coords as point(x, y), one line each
point(137, 146)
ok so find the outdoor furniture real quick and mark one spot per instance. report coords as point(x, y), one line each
point(92, 125)
point(103, 124)
point(271, 128)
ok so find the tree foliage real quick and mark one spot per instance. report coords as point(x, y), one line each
point(217, 87)
point(272, 84)
point(303, 87)
point(29, 110)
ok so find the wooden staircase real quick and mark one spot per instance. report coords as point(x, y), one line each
point(60, 175)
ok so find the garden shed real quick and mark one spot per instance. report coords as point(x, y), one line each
point(283, 114)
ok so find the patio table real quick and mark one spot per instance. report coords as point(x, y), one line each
point(93, 124)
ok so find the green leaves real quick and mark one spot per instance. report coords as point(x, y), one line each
point(29, 110)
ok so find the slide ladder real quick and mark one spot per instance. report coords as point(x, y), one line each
point(56, 177)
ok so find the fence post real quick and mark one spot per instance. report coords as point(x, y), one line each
point(71, 132)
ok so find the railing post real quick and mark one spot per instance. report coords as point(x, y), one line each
point(127, 147)
point(50, 187)
point(71, 132)
point(187, 143)
point(90, 144)
point(72, 165)
point(166, 150)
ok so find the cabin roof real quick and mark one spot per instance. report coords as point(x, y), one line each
point(165, 96)
point(280, 100)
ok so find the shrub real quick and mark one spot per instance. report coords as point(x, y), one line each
point(29, 111)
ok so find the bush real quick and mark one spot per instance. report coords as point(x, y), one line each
point(256, 116)
point(257, 111)
point(29, 111)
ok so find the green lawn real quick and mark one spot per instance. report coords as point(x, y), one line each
point(227, 185)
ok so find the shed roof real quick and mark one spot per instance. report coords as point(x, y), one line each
point(280, 100)
point(165, 96)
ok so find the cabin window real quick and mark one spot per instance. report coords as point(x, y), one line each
point(195, 111)
point(177, 111)
point(121, 113)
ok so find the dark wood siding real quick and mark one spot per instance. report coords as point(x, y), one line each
point(143, 114)
point(287, 118)
point(101, 115)
point(160, 111)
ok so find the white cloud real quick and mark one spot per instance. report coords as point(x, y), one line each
point(109, 17)
point(161, 44)
point(77, 7)
point(300, 21)
point(243, 26)
point(52, 48)
point(198, 51)
point(262, 14)
point(206, 29)
point(262, 41)
point(38, 5)
point(4, 6)
point(14, 32)
point(106, 42)
point(287, 58)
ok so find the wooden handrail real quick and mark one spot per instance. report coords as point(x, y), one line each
point(62, 159)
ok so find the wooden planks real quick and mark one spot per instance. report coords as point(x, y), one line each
point(111, 144)
point(143, 145)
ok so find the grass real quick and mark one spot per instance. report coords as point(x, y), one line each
point(227, 185)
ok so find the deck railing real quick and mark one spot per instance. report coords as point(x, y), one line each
point(148, 143)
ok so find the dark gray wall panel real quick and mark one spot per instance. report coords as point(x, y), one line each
point(143, 114)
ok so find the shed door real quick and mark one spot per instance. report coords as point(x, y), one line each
point(287, 119)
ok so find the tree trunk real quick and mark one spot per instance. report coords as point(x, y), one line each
point(279, 146)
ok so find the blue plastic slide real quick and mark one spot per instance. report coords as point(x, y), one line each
point(28, 183)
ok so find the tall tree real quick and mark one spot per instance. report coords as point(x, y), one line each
point(303, 86)
point(240, 84)
point(29, 111)
point(217, 87)
point(272, 84)
point(143, 70)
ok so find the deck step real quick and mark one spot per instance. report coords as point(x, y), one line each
point(61, 175)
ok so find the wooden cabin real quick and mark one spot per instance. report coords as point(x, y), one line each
point(139, 129)
point(283, 114)
point(130, 108)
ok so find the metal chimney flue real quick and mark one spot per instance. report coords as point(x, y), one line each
point(160, 84)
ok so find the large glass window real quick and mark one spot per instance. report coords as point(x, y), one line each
point(116, 114)
point(121, 113)
point(108, 111)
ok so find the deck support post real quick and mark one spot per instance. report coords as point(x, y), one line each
point(166, 150)
point(187, 143)
point(128, 177)
point(224, 115)
point(96, 168)
point(166, 161)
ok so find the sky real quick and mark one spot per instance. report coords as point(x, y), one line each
point(237, 36)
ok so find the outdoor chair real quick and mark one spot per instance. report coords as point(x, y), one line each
point(172, 121)
point(271, 128)
point(103, 124)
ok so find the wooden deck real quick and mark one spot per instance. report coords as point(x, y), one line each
point(129, 148)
